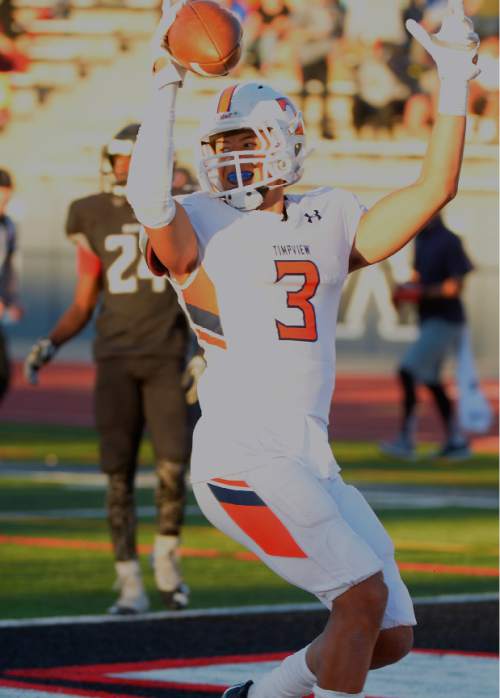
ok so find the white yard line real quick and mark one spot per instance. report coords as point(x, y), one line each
point(226, 611)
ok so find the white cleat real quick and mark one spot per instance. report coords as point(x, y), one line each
point(133, 598)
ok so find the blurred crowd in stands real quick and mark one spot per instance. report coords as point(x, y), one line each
point(361, 50)
point(369, 78)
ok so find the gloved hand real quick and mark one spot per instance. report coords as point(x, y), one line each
point(165, 70)
point(454, 47)
point(191, 376)
point(40, 353)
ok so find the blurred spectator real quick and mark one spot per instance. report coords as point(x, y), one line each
point(484, 94)
point(5, 101)
point(315, 24)
point(61, 9)
point(183, 181)
point(268, 25)
point(380, 99)
point(485, 17)
point(377, 20)
point(6, 18)
point(11, 57)
point(483, 13)
point(10, 310)
point(418, 115)
point(440, 266)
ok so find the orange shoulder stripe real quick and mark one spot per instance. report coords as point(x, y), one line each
point(225, 99)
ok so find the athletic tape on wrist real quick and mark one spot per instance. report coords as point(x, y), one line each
point(453, 97)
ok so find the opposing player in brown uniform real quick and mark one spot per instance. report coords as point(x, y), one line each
point(139, 349)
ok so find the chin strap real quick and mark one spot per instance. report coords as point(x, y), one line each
point(246, 200)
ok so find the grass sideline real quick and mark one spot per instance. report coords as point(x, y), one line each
point(361, 461)
point(58, 580)
point(48, 571)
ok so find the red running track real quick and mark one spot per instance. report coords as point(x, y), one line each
point(365, 407)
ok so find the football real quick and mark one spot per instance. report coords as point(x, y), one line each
point(205, 38)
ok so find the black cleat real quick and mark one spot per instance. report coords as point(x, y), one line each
point(176, 600)
point(240, 690)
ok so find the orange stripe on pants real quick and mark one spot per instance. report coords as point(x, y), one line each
point(265, 529)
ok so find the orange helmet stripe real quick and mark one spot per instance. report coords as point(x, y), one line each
point(225, 99)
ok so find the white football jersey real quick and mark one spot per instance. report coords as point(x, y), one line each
point(263, 303)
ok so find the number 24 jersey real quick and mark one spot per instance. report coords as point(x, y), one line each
point(138, 312)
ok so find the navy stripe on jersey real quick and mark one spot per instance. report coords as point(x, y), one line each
point(241, 497)
point(205, 319)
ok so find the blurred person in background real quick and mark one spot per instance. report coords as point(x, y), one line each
point(10, 310)
point(6, 17)
point(140, 351)
point(12, 58)
point(440, 266)
point(5, 101)
point(377, 20)
point(484, 97)
point(315, 25)
point(380, 99)
point(485, 14)
point(374, 34)
point(269, 25)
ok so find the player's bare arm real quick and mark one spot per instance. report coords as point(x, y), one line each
point(75, 318)
point(72, 321)
point(397, 218)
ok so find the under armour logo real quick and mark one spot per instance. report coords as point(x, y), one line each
point(311, 216)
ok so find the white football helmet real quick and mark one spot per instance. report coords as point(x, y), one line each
point(279, 128)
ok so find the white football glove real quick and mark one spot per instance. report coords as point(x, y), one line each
point(191, 376)
point(454, 47)
point(165, 70)
point(40, 353)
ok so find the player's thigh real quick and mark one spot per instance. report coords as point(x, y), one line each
point(119, 415)
point(284, 515)
point(359, 515)
point(165, 410)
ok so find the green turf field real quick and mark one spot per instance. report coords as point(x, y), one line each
point(62, 566)
point(55, 445)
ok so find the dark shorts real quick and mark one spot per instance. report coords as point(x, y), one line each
point(131, 393)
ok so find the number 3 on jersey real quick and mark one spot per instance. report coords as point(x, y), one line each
point(300, 299)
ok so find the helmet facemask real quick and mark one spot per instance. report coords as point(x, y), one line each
point(278, 129)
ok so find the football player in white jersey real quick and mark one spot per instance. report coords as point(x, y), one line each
point(259, 273)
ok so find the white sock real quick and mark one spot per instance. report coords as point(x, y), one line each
point(291, 679)
point(325, 693)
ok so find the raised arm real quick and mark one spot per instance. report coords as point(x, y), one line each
point(149, 186)
point(398, 217)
